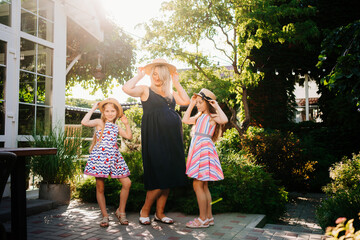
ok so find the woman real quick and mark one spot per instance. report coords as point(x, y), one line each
point(161, 135)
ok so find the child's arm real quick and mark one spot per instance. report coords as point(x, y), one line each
point(125, 133)
point(220, 117)
point(187, 119)
point(91, 123)
point(180, 95)
point(130, 87)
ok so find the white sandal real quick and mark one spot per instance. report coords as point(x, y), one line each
point(197, 223)
point(166, 220)
point(210, 221)
point(104, 222)
point(144, 220)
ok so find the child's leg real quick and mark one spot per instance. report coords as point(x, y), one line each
point(201, 198)
point(208, 198)
point(100, 197)
point(124, 194)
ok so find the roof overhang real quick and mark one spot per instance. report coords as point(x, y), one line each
point(88, 14)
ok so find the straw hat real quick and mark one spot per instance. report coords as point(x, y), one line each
point(206, 94)
point(113, 101)
point(159, 61)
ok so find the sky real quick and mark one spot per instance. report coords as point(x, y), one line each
point(127, 14)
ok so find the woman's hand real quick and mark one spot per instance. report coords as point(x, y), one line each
point(141, 72)
point(175, 78)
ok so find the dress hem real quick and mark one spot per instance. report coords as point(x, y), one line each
point(105, 176)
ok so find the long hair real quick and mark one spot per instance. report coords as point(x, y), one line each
point(218, 127)
point(95, 140)
point(164, 76)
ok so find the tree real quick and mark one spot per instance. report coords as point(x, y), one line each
point(341, 54)
point(115, 55)
point(235, 28)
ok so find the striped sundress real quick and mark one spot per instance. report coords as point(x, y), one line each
point(203, 161)
point(105, 159)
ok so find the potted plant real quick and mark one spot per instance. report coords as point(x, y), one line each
point(57, 171)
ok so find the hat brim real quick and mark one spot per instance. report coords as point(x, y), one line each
point(206, 98)
point(148, 67)
point(102, 103)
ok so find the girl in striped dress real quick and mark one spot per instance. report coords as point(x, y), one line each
point(105, 158)
point(203, 162)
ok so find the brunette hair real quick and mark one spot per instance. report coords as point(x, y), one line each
point(218, 127)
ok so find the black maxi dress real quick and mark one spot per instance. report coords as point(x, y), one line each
point(162, 144)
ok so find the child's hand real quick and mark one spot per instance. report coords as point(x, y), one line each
point(193, 99)
point(95, 106)
point(214, 103)
point(124, 120)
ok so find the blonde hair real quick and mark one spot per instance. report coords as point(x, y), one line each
point(95, 140)
point(165, 77)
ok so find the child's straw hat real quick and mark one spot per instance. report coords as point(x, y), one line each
point(113, 101)
point(206, 94)
point(159, 61)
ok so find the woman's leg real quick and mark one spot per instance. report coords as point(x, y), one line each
point(151, 196)
point(201, 198)
point(100, 197)
point(161, 202)
point(208, 198)
point(124, 194)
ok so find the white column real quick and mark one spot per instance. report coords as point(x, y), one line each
point(306, 86)
point(59, 73)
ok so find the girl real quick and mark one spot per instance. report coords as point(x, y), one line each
point(203, 162)
point(105, 158)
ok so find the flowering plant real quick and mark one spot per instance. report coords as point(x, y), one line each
point(340, 227)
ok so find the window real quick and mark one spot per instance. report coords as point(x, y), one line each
point(37, 18)
point(5, 10)
point(35, 88)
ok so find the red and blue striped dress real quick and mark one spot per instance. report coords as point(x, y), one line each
point(105, 159)
point(203, 161)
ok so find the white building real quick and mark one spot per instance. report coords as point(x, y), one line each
point(33, 38)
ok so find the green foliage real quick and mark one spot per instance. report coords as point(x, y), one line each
point(345, 176)
point(280, 154)
point(341, 54)
point(62, 167)
point(116, 55)
point(340, 204)
point(79, 102)
point(134, 115)
point(343, 193)
point(247, 187)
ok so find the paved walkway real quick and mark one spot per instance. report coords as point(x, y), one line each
point(80, 221)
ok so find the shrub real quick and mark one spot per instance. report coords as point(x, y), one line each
point(280, 154)
point(247, 188)
point(345, 176)
point(343, 193)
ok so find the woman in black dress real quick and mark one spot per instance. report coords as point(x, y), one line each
point(161, 134)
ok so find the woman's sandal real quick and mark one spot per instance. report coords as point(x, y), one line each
point(121, 217)
point(197, 223)
point(144, 220)
point(104, 222)
point(166, 220)
point(210, 221)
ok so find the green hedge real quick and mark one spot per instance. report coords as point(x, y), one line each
point(343, 193)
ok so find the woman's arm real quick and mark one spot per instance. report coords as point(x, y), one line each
point(180, 96)
point(91, 123)
point(220, 117)
point(130, 87)
point(127, 132)
point(187, 119)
